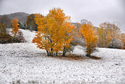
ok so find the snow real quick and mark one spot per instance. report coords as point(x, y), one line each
point(26, 63)
point(28, 35)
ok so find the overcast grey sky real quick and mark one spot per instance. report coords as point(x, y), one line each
point(95, 11)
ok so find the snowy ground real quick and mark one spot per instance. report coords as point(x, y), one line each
point(28, 35)
point(26, 63)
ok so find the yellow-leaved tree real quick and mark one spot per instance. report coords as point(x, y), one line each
point(53, 32)
point(104, 37)
point(43, 35)
point(107, 32)
point(123, 40)
point(88, 33)
point(15, 27)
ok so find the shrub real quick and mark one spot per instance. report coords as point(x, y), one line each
point(6, 39)
point(19, 37)
point(115, 44)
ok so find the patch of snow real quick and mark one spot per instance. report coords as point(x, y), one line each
point(25, 62)
point(28, 35)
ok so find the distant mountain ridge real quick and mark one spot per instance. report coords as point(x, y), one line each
point(21, 16)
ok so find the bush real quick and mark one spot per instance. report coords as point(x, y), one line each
point(6, 39)
point(19, 37)
point(115, 44)
point(123, 46)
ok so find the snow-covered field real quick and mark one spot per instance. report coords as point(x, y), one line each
point(28, 35)
point(25, 63)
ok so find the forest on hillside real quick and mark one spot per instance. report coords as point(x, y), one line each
point(54, 32)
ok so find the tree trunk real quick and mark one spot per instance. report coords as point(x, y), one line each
point(47, 53)
point(51, 52)
point(88, 55)
point(64, 52)
point(88, 51)
point(56, 53)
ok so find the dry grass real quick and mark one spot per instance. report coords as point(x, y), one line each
point(75, 57)
point(96, 58)
point(69, 57)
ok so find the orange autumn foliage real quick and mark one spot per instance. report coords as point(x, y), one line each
point(88, 33)
point(53, 32)
point(15, 27)
point(123, 40)
point(106, 32)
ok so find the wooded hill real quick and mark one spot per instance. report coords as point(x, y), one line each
point(21, 16)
